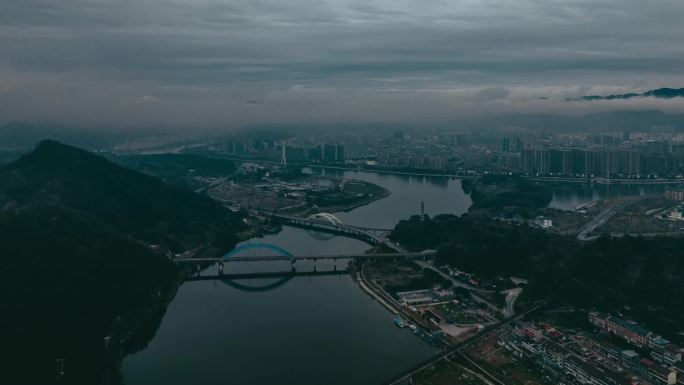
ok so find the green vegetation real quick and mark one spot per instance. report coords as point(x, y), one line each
point(353, 193)
point(427, 279)
point(446, 373)
point(644, 274)
point(179, 169)
point(498, 192)
point(84, 251)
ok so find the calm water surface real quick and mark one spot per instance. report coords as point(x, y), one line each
point(440, 195)
point(318, 330)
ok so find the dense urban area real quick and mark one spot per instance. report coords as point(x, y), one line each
point(512, 292)
point(654, 153)
point(491, 327)
point(341, 192)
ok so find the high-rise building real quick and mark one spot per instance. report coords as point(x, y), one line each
point(506, 145)
point(315, 154)
point(599, 162)
point(339, 154)
point(295, 154)
point(329, 153)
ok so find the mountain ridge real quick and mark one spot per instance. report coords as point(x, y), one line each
point(660, 93)
point(85, 246)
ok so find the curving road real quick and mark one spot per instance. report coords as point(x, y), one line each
point(601, 219)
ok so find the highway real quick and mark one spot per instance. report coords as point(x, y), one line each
point(602, 218)
point(456, 351)
point(454, 281)
point(285, 274)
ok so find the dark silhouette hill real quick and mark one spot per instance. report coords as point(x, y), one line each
point(84, 246)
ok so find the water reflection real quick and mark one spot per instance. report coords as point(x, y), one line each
point(437, 195)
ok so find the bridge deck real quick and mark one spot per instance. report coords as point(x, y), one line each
point(283, 274)
point(259, 258)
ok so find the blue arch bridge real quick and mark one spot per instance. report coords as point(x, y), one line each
point(321, 222)
point(236, 280)
point(281, 254)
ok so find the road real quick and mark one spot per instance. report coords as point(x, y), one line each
point(600, 220)
point(511, 296)
point(454, 281)
point(472, 289)
point(456, 351)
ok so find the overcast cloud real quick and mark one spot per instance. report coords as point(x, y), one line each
point(228, 63)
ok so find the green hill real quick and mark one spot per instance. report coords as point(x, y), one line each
point(85, 247)
point(178, 169)
point(646, 275)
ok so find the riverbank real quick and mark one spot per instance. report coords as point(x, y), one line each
point(607, 181)
point(227, 327)
point(468, 175)
point(351, 206)
point(392, 171)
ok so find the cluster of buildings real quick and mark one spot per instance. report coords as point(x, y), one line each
point(601, 162)
point(278, 150)
point(322, 153)
point(417, 161)
point(661, 349)
point(589, 358)
point(676, 195)
point(630, 155)
point(425, 297)
point(663, 361)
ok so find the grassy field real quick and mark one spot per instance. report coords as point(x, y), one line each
point(360, 187)
point(446, 373)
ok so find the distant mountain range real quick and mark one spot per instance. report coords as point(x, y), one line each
point(84, 242)
point(661, 93)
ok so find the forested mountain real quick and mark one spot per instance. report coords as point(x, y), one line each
point(612, 274)
point(85, 246)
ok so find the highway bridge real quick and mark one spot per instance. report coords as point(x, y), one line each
point(280, 254)
point(319, 257)
point(329, 223)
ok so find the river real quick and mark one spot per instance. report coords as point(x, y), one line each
point(314, 330)
point(317, 330)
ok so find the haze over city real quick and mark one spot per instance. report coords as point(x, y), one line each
point(341, 192)
point(227, 64)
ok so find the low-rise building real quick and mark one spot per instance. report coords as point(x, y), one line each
point(669, 354)
point(628, 330)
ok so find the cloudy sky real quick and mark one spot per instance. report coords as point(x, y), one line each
point(234, 62)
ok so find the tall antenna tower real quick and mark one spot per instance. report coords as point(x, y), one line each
point(283, 156)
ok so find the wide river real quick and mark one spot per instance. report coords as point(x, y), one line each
point(317, 330)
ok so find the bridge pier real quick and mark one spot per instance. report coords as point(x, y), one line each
point(197, 270)
point(334, 264)
point(294, 265)
point(314, 265)
point(220, 268)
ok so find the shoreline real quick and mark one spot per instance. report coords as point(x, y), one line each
point(395, 172)
point(596, 180)
point(351, 206)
